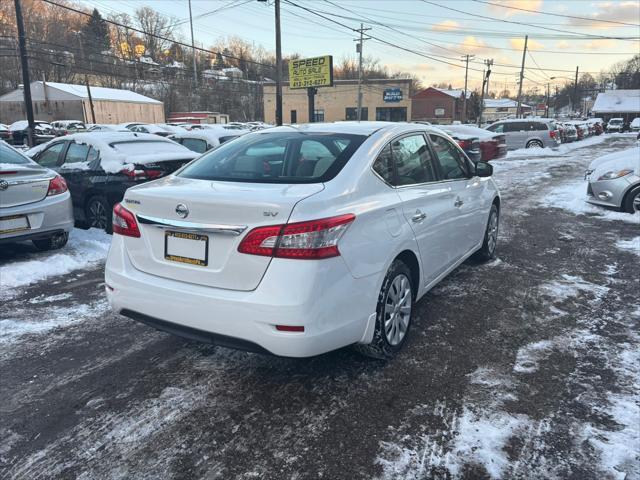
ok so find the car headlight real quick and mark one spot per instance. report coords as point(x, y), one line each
point(615, 174)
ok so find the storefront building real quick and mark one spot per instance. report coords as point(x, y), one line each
point(383, 99)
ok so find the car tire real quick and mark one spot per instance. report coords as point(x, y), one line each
point(393, 313)
point(488, 250)
point(631, 202)
point(534, 144)
point(54, 242)
point(99, 214)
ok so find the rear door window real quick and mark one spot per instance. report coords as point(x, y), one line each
point(499, 128)
point(195, 144)
point(76, 153)
point(283, 157)
point(413, 161)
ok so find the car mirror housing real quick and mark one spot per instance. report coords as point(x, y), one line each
point(484, 169)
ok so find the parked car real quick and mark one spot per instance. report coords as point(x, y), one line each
point(525, 133)
point(597, 124)
point(65, 127)
point(298, 241)
point(570, 132)
point(149, 128)
point(105, 127)
point(43, 132)
point(100, 166)
point(203, 140)
point(469, 143)
point(172, 129)
point(492, 145)
point(615, 125)
point(614, 180)
point(635, 125)
point(582, 131)
point(34, 202)
point(5, 134)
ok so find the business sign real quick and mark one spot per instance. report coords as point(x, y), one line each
point(392, 95)
point(311, 72)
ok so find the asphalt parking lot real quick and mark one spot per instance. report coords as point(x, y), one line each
point(525, 367)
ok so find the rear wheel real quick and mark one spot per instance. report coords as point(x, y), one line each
point(99, 214)
point(632, 201)
point(534, 144)
point(488, 249)
point(52, 243)
point(393, 313)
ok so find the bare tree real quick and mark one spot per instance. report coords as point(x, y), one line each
point(157, 30)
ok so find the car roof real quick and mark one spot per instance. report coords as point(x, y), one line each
point(209, 134)
point(351, 127)
point(529, 119)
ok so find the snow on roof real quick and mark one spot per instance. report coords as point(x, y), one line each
point(617, 161)
point(209, 134)
point(456, 93)
point(617, 101)
point(501, 103)
point(102, 93)
point(114, 159)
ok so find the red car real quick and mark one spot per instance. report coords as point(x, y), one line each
point(492, 145)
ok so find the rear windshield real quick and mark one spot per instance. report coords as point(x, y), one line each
point(283, 157)
point(9, 156)
point(147, 147)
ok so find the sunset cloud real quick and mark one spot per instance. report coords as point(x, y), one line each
point(598, 44)
point(508, 12)
point(626, 12)
point(518, 44)
point(563, 45)
point(445, 26)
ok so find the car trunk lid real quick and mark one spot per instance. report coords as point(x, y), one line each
point(22, 184)
point(191, 229)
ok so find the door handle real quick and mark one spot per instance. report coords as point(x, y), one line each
point(419, 216)
point(458, 203)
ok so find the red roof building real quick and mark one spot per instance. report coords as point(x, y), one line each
point(437, 106)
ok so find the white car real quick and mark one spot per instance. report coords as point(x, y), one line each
point(205, 139)
point(300, 240)
point(615, 125)
point(614, 180)
point(635, 125)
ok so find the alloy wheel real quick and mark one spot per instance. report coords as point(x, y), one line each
point(492, 231)
point(636, 202)
point(97, 215)
point(397, 309)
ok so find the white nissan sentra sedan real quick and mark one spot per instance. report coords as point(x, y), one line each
point(300, 240)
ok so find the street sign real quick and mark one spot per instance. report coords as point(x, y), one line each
point(311, 72)
point(392, 95)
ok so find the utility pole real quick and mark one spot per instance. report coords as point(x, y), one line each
point(278, 66)
point(575, 101)
point(548, 94)
point(359, 50)
point(26, 84)
point(86, 77)
point(485, 85)
point(193, 50)
point(481, 101)
point(466, 76)
point(524, 53)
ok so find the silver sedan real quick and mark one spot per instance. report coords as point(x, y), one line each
point(35, 203)
point(614, 180)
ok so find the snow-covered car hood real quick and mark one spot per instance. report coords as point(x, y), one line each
point(616, 161)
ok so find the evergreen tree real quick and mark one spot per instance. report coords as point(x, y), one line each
point(95, 34)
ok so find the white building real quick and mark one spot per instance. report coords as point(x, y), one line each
point(617, 103)
point(499, 108)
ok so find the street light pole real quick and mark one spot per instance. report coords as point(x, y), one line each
point(278, 66)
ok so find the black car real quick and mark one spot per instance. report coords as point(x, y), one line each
point(100, 166)
point(42, 133)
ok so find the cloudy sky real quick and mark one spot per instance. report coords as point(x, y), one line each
point(427, 37)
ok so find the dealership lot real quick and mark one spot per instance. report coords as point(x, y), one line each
point(525, 367)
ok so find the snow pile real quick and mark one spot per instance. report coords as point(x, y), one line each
point(556, 151)
point(573, 197)
point(632, 245)
point(569, 286)
point(85, 247)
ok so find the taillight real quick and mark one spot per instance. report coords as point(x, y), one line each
point(553, 134)
point(57, 185)
point(464, 144)
point(124, 222)
point(141, 174)
point(315, 239)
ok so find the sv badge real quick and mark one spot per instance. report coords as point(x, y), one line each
point(270, 214)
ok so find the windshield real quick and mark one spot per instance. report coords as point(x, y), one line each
point(9, 156)
point(615, 121)
point(283, 157)
point(147, 147)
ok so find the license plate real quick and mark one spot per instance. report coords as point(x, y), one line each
point(185, 247)
point(15, 223)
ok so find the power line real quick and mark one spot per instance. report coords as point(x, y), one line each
point(556, 14)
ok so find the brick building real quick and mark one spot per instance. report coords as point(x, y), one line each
point(437, 106)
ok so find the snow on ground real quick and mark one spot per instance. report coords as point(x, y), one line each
point(572, 197)
point(632, 245)
point(85, 247)
point(556, 151)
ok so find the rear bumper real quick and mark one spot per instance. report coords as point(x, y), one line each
point(46, 217)
point(322, 296)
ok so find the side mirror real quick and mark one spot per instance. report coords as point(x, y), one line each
point(484, 169)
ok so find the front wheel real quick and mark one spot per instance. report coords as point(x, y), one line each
point(534, 144)
point(488, 249)
point(393, 313)
point(632, 201)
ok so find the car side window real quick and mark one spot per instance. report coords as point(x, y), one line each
point(49, 157)
point(93, 155)
point(383, 166)
point(452, 163)
point(496, 128)
point(195, 144)
point(413, 161)
point(76, 153)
